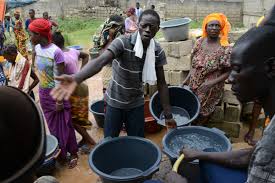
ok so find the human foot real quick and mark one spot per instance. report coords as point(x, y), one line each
point(73, 162)
point(248, 138)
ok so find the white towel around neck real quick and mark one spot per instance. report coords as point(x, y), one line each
point(149, 72)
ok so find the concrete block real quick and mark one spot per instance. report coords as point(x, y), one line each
point(177, 49)
point(232, 112)
point(177, 77)
point(165, 45)
point(180, 48)
point(231, 129)
point(152, 89)
point(218, 114)
point(247, 108)
point(228, 97)
point(167, 76)
point(183, 63)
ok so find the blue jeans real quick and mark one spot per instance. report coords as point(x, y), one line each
point(133, 119)
point(213, 173)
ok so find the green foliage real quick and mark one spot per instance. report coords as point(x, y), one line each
point(76, 24)
point(79, 31)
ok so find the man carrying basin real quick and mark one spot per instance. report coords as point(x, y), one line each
point(136, 59)
point(252, 77)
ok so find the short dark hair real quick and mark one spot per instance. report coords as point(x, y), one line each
point(32, 10)
point(152, 6)
point(58, 39)
point(116, 18)
point(10, 49)
point(150, 12)
point(45, 13)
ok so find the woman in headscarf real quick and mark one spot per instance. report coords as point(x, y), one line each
point(131, 21)
point(50, 63)
point(20, 35)
point(80, 98)
point(210, 64)
point(113, 27)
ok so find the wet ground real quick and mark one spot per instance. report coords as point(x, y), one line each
point(83, 174)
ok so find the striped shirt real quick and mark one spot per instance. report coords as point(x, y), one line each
point(125, 89)
point(262, 162)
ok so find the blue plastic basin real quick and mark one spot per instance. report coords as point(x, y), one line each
point(176, 29)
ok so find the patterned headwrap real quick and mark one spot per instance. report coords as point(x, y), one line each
point(132, 11)
point(225, 26)
point(42, 27)
point(108, 24)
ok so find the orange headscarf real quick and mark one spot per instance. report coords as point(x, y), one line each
point(225, 26)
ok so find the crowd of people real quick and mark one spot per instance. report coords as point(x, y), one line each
point(128, 46)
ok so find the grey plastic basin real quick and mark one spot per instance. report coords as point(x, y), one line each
point(176, 29)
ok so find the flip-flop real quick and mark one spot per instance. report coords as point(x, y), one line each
point(73, 163)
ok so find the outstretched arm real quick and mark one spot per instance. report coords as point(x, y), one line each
point(233, 159)
point(94, 66)
point(68, 83)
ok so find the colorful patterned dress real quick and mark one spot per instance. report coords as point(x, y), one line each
point(59, 122)
point(206, 67)
point(80, 98)
point(21, 38)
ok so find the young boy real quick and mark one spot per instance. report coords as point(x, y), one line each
point(20, 70)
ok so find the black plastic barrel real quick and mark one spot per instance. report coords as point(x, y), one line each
point(181, 97)
point(22, 136)
point(125, 160)
point(97, 108)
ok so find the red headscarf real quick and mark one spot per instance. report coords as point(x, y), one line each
point(42, 27)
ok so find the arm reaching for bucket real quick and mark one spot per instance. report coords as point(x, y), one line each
point(164, 97)
point(232, 159)
point(68, 83)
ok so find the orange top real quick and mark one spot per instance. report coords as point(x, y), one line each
point(225, 26)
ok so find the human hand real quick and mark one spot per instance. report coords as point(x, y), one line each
point(173, 177)
point(190, 154)
point(65, 89)
point(170, 123)
point(206, 86)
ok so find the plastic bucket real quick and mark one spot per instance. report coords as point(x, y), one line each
point(180, 97)
point(125, 160)
point(97, 109)
point(52, 153)
point(176, 29)
point(212, 139)
point(22, 134)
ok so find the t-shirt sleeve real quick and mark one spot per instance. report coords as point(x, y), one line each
point(117, 46)
point(58, 56)
point(160, 57)
point(225, 58)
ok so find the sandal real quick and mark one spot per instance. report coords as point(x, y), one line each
point(248, 138)
point(73, 163)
